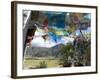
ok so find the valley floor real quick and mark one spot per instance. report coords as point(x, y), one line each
point(41, 62)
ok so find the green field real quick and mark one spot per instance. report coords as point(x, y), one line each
point(33, 63)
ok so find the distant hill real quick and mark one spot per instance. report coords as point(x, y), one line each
point(43, 51)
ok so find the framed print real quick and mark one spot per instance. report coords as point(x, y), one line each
point(50, 39)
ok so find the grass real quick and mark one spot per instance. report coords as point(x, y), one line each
point(35, 62)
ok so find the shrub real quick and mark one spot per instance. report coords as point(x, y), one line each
point(67, 51)
point(43, 64)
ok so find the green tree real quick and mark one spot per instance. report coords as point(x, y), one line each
point(66, 52)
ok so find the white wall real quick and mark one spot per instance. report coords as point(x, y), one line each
point(5, 40)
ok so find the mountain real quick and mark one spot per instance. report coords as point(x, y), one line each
point(43, 51)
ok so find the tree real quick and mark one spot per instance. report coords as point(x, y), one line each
point(78, 21)
point(66, 53)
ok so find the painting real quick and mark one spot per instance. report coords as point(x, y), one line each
point(54, 40)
